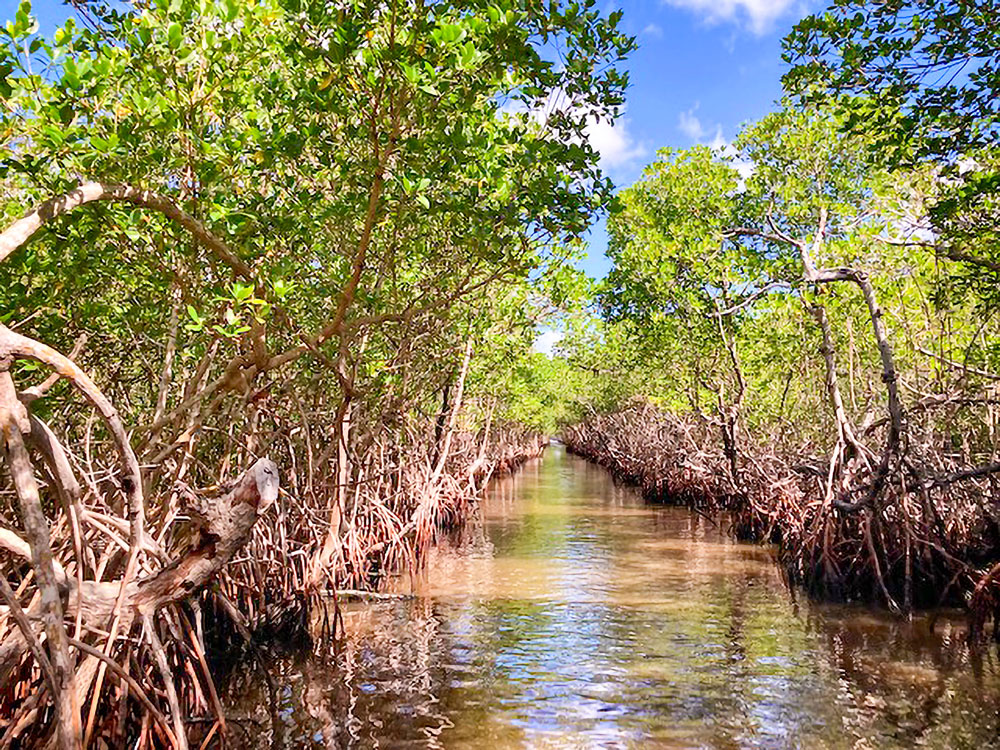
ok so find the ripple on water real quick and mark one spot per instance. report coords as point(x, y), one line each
point(572, 615)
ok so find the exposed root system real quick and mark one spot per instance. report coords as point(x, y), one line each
point(931, 539)
point(125, 596)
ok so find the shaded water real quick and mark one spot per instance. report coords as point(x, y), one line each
point(573, 615)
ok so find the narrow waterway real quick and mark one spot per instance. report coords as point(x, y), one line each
point(573, 615)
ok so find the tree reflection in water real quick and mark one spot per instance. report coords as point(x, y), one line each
point(573, 615)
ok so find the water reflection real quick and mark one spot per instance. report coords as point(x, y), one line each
point(571, 615)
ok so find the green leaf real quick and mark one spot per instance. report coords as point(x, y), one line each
point(467, 55)
point(175, 36)
point(242, 292)
point(449, 33)
point(55, 134)
point(283, 288)
point(412, 73)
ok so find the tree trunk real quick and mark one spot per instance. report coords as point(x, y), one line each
point(15, 423)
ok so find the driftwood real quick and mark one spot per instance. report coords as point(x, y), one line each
point(222, 525)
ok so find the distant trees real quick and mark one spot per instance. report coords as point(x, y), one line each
point(828, 310)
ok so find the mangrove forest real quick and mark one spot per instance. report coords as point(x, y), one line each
point(356, 390)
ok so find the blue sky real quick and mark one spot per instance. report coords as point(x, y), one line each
point(703, 67)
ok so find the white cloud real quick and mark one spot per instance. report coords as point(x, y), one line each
point(614, 142)
point(689, 124)
point(758, 15)
point(745, 168)
point(726, 150)
point(547, 341)
point(718, 143)
point(652, 30)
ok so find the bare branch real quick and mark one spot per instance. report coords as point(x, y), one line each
point(766, 289)
point(24, 228)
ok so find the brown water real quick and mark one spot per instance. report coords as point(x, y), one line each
point(573, 615)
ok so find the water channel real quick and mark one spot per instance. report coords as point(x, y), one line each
point(570, 614)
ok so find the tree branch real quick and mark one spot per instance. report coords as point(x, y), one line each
point(24, 228)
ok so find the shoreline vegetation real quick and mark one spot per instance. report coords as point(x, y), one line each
point(368, 519)
point(273, 272)
point(922, 548)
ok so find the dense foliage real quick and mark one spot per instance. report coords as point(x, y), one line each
point(321, 233)
point(813, 314)
point(919, 82)
point(313, 242)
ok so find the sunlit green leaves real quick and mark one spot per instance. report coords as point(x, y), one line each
point(175, 35)
point(448, 33)
point(24, 24)
point(269, 122)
